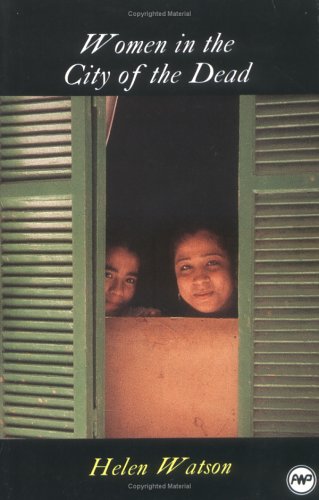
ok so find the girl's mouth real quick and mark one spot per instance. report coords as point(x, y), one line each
point(204, 294)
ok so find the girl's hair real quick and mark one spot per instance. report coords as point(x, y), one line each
point(119, 237)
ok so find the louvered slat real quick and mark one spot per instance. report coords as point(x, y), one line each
point(35, 138)
point(37, 317)
point(286, 316)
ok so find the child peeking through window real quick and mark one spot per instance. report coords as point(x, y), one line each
point(122, 271)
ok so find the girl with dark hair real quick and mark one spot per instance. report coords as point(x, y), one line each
point(205, 273)
point(122, 274)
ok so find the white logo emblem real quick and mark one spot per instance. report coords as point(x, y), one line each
point(301, 480)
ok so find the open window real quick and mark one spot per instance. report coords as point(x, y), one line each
point(171, 160)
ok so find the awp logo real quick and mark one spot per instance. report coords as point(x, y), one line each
point(301, 480)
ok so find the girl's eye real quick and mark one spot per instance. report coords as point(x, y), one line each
point(185, 267)
point(213, 263)
point(131, 281)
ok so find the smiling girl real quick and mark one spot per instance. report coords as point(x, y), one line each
point(205, 274)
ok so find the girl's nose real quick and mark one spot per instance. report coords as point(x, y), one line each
point(117, 287)
point(200, 275)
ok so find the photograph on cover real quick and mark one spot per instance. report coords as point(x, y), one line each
point(136, 334)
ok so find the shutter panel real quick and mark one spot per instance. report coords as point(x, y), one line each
point(35, 138)
point(46, 280)
point(279, 166)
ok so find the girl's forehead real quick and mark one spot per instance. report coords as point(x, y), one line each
point(121, 253)
point(200, 239)
point(200, 244)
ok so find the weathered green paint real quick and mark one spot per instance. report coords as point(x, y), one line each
point(279, 267)
point(48, 333)
point(99, 223)
point(82, 255)
point(246, 258)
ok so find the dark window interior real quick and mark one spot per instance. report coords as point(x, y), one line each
point(170, 159)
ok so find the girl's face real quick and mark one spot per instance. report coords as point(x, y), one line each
point(121, 273)
point(203, 273)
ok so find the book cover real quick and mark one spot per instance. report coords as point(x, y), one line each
point(149, 131)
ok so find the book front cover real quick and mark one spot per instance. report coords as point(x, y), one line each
point(159, 270)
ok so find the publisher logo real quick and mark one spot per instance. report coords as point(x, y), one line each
point(301, 480)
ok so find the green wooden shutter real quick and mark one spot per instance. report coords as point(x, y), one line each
point(279, 266)
point(48, 172)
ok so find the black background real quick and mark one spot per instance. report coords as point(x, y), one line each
point(42, 39)
point(60, 469)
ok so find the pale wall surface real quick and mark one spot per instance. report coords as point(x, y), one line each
point(171, 377)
